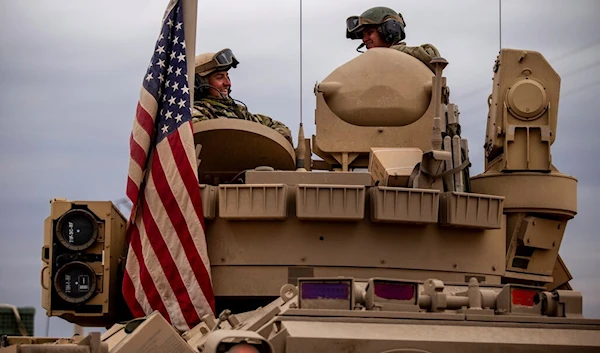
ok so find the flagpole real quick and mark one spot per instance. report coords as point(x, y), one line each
point(190, 14)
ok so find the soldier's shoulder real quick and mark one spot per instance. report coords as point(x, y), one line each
point(428, 48)
point(242, 107)
point(424, 52)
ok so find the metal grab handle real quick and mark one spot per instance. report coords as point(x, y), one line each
point(45, 249)
point(42, 277)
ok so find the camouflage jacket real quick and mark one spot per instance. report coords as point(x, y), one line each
point(424, 52)
point(214, 108)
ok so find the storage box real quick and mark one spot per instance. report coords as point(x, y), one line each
point(253, 201)
point(404, 205)
point(462, 209)
point(393, 166)
point(330, 202)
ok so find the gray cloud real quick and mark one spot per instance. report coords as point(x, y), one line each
point(70, 74)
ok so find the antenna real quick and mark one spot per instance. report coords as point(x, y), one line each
point(500, 24)
point(301, 148)
point(301, 62)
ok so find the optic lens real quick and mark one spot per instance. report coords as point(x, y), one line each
point(75, 282)
point(523, 297)
point(352, 23)
point(77, 230)
point(325, 290)
point(243, 348)
point(394, 291)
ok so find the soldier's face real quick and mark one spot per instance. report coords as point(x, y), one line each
point(219, 80)
point(371, 38)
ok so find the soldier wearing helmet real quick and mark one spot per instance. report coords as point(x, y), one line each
point(212, 89)
point(382, 27)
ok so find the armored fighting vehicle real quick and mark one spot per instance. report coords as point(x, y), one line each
point(385, 243)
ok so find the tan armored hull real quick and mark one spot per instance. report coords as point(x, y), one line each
point(385, 245)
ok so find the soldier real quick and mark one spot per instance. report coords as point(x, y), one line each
point(213, 86)
point(383, 27)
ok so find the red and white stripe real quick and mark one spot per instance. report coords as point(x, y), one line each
point(167, 265)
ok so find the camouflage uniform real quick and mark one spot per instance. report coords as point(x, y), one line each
point(425, 52)
point(213, 108)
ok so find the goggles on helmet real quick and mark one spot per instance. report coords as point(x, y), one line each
point(354, 23)
point(221, 60)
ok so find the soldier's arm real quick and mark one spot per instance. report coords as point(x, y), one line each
point(267, 121)
point(431, 50)
point(275, 125)
point(425, 52)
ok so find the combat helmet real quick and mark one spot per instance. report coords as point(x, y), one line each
point(207, 63)
point(390, 24)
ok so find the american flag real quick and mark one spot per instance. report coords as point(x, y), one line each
point(167, 265)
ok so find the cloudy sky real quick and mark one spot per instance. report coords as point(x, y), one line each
point(70, 74)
